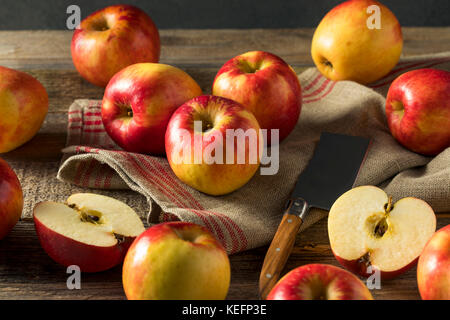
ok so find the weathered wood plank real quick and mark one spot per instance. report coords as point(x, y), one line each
point(26, 272)
point(51, 49)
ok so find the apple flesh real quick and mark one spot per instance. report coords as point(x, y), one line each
point(217, 115)
point(138, 104)
point(345, 48)
point(90, 231)
point(176, 261)
point(367, 230)
point(11, 199)
point(319, 282)
point(433, 269)
point(418, 110)
point(23, 107)
point(111, 39)
point(267, 86)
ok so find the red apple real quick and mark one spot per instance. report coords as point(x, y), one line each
point(366, 229)
point(348, 44)
point(111, 39)
point(433, 269)
point(138, 104)
point(319, 282)
point(418, 110)
point(176, 261)
point(265, 85)
point(90, 231)
point(203, 157)
point(11, 199)
point(23, 107)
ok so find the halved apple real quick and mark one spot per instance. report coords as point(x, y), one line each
point(91, 231)
point(366, 229)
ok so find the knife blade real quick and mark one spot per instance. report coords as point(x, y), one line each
point(331, 172)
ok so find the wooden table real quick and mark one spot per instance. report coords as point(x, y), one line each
point(26, 272)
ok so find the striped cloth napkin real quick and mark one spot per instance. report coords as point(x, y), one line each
point(249, 217)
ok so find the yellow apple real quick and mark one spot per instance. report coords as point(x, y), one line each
point(348, 44)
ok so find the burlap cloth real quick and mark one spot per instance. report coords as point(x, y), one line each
point(249, 217)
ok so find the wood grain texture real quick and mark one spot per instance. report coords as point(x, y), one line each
point(26, 272)
point(278, 253)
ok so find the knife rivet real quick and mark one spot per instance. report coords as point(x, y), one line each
point(269, 275)
point(277, 249)
point(289, 220)
point(296, 204)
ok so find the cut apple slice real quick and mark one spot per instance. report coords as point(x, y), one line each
point(90, 231)
point(366, 229)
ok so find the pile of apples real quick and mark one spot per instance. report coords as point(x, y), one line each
point(146, 108)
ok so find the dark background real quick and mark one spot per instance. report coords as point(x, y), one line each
point(51, 14)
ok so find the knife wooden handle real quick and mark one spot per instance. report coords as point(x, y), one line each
point(281, 246)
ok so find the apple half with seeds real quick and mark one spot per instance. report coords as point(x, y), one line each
point(91, 231)
point(369, 232)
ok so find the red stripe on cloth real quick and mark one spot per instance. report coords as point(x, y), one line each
point(170, 181)
point(215, 229)
point(99, 176)
point(161, 178)
point(190, 198)
point(72, 120)
point(108, 177)
point(93, 114)
point(236, 245)
point(80, 170)
point(75, 127)
point(240, 232)
point(427, 65)
point(75, 112)
point(324, 95)
point(93, 122)
point(309, 86)
point(87, 174)
point(318, 90)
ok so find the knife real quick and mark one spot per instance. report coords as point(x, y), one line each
point(331, 172)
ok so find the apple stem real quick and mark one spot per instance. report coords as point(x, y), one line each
point(328, 64)
point(388, 207)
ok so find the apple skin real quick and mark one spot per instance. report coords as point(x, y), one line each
point(264, 84)
point(111, 39)
point(23, 107)
point(89, 258)
point(139, 101)
point(176, 261)
point(354, 51)
point(319, 282)
point(418, 110)
point(360, 268)
point(213, 179)
point(433, 276)
point(11, 199)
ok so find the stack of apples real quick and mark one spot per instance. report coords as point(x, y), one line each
point(148, 106)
